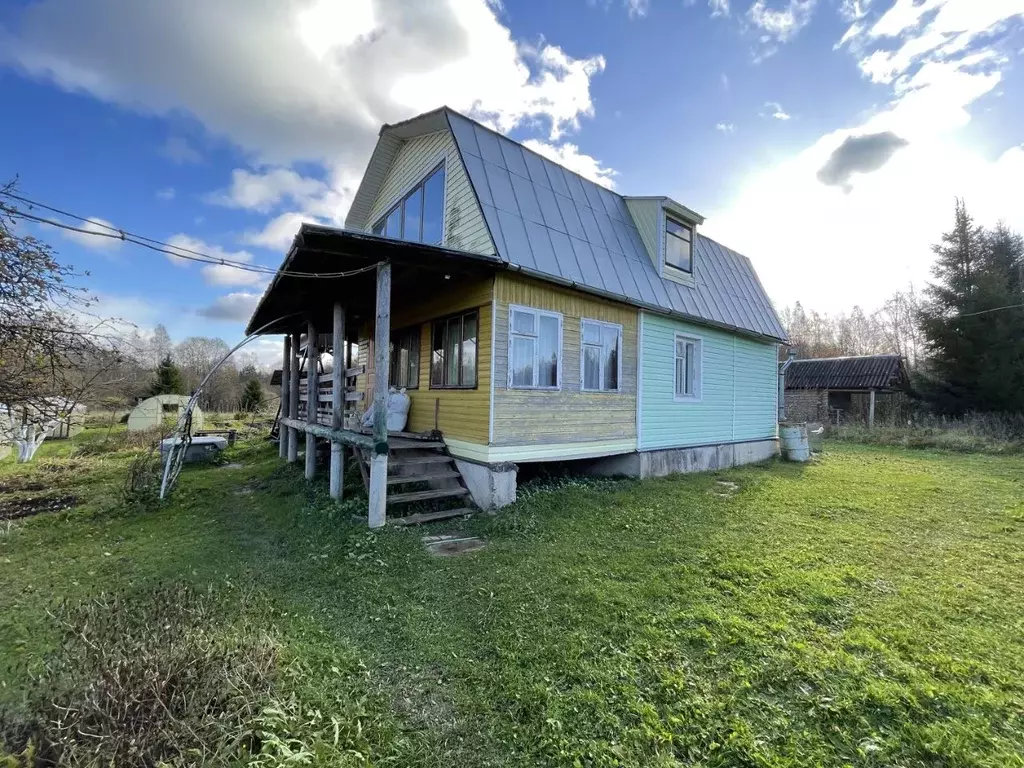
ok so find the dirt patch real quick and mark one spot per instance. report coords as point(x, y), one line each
point(18, 508)
point(11, 486)
point(452, 545)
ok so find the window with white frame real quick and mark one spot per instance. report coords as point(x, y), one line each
point(600, 356)
point(688, 364)
point(534, 348)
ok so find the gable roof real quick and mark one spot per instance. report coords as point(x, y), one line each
point(863, 372)
point(552, 223)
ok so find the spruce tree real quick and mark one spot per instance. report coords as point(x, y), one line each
point(169, 380)
point(973, 334)
point(252, 396)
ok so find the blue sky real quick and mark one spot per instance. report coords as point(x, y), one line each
point(825, 139)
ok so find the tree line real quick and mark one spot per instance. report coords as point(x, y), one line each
point(962, 336)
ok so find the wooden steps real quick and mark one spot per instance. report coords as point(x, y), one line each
point(430, 517)
point(435, 493)
point(422, 477)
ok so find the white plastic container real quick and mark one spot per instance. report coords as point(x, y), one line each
point(795, 446)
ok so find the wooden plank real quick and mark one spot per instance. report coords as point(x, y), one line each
point(406, 479)
point(418, 460)
point(377, 515)
point(337, 409)
point(359, 370)
point(429, 517)
point(286, 373)
point(353, 397)
point(436, 493)
point(399, 445)
point(344, 436)
point(312, 375)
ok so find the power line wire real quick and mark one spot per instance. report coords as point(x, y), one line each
point(994, 309)
point(160, 246)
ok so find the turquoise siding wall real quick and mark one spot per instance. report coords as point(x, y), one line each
point(739, 388)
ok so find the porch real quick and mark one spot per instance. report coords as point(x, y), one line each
point(339, 282)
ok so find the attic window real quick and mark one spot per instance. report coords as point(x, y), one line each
point(678, 245)
point(418, 215)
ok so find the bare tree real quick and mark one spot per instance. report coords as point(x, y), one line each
point(52, 350)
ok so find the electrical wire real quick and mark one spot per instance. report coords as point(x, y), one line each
point(160, 246)
point(986, 311)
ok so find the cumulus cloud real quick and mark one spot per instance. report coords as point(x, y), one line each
point(569, 155)
point(783, 23)
point(859, 154)
point(234, 306)
point(278, 233)
point(96, 235)
point(932, 62)
point(178, 150)
point(215, 274)
point(300, 80)
point(725, 128)
point(718, 7)
point(775, 110)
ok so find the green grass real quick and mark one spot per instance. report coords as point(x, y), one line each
point(866, 609)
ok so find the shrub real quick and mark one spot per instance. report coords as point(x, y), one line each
point(145, 680)
point(973, 433)
point(141, 489)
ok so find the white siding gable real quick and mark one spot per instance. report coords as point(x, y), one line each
point(464, 227)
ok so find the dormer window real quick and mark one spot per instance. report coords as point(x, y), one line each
point(419, 215)
point(678, 245)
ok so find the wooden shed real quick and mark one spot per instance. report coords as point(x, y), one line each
point(845, 389)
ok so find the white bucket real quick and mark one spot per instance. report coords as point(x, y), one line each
point(794, 442)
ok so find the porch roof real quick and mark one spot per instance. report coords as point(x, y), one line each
point(325, 264)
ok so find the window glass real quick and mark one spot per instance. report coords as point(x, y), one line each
point(452, 345)
point(523, 322)
point(678, 245)
point(591, 367)
point(547, 352)
point(690, 371)
point(610, 356)
point(393, 225)
point(379, 228)
point(469, 351)
point(687, 373)
point(591, 333)
point(433, 208)
point(522, 361)
point(437, 356)
point(412, 213)
point(405, 359)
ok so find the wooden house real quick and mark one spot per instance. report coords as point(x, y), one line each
point(530, 314)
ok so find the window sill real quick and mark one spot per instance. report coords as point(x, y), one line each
point(678, 276)
point(601, 391)
point(534, 389)
point(687, 398)
point(456, 388)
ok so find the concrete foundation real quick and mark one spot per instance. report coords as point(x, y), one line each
point(683, 460)
point(491, 485)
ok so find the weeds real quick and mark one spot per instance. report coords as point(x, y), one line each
point(141, 490)
point(118, 441)
point(974, 433)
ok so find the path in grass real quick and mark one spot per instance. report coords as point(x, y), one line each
point(865, 610)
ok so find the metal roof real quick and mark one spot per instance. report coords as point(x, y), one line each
point(552, 222)
point(879, 372)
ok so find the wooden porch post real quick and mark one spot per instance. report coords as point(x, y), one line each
point(282, 431)
point(381, 342)
point(312, 395)
point(293, 401)
point(338, 400)
point(871, 410)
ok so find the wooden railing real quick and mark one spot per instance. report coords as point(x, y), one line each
point(324, 410)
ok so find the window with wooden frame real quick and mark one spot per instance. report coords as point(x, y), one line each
point(405, 359)
point(419, 215)
point(534, 348)
point(453, 356)
point(688, 355)
point(600, 356)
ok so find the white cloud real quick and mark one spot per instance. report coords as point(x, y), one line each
point(300, 79)
point(234, 306)
point(637, 8)
point(569, 155)
point(776, 111)
point(725, 127)
point(781, 24)
point(216, 274)
point(262, 192)
point(178, 150)
point(719, 7)
point(167, 193)
point(96, 237)
point(832, 239)
point(279, 232)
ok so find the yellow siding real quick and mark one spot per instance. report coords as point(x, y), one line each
point(461, 413)
point(531, 417)
point(463, 220)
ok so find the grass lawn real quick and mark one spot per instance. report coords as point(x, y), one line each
point(866, 609)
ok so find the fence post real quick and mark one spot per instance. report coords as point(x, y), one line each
point(382, 339)
point(338, 401)
point(293, 402)
point(312, 395)
point(282, 431)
